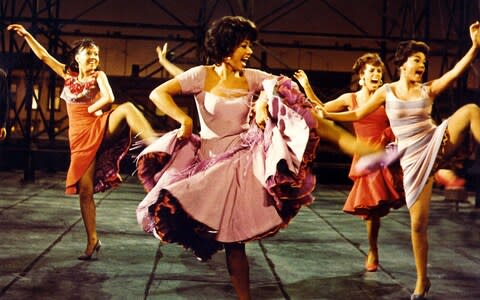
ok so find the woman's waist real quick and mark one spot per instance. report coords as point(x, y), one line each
point(220, 132)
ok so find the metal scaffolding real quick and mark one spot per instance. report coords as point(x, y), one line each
point(396, 20)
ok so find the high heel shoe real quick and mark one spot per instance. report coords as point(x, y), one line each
point(371, 267)
point(453, 183)
point(422, 296)
point(94, 254)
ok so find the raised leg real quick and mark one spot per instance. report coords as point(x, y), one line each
point(127, 114)
point(347, 142)
point(466, 119)
point(238, 268)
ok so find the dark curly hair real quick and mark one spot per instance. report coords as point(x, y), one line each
point(359, 67)
point(406, 48)
point(226, 34)
point(77, 46)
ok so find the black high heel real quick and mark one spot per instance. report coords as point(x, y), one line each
point(422, 296)
point(95, 252)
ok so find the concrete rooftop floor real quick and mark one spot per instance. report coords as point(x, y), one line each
point(319, 256)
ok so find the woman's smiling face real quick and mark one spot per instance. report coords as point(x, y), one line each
point(240, 56)
point(372, 77)
point(88, 58)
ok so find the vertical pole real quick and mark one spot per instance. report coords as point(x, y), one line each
point(28, 167)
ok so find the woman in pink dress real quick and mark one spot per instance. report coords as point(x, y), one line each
point(423, 145)
point(373, 193)
point(240, 180)
point(99, 137)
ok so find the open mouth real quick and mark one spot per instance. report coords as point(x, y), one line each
point(419, 72)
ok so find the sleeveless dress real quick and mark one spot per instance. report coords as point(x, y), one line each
point(86, 137)
point(374, 193)
point(234, 183)
point(417, 136)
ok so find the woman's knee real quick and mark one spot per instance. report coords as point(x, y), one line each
point(471, 110)
point(419, 225)
point(85, 192)
point(127, 108)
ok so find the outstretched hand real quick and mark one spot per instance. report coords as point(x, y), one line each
point(475, 34)
point(162, 53)
point(302, 78)
point(19, 29)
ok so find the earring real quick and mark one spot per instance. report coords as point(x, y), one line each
point(380, 82)
point(361, 82)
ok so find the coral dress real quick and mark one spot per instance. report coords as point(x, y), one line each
point(235, 182)
point(379, 190)
point(418, 137)
point(86, 136)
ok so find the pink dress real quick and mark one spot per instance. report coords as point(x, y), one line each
point(86, 137)
point(234, 183)
point(376, 192)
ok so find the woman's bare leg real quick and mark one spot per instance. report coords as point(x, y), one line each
point(419, 213)
point(127, 114)
point(347, 142)
point(373, 227)
point(466, 119)
point(87, 207)
point(238, 268)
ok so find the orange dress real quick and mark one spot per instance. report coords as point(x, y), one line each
point(379, 190)
point(86, 136)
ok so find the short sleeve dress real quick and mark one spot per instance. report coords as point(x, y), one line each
point(86, 137)
point(234, 182)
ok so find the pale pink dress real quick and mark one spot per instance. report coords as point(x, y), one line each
point(419, 138)
point(235, 182)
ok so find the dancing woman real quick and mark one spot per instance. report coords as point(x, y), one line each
point(425, 146)
point(99, 137)
point(373, 193)
point(240, 180)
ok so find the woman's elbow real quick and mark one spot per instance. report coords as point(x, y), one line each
point(157, 94)
point(153, 95)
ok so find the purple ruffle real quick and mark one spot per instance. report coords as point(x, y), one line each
point(107, 166)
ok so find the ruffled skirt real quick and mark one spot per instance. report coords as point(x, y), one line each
point(375, 193)
point(251, 188)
